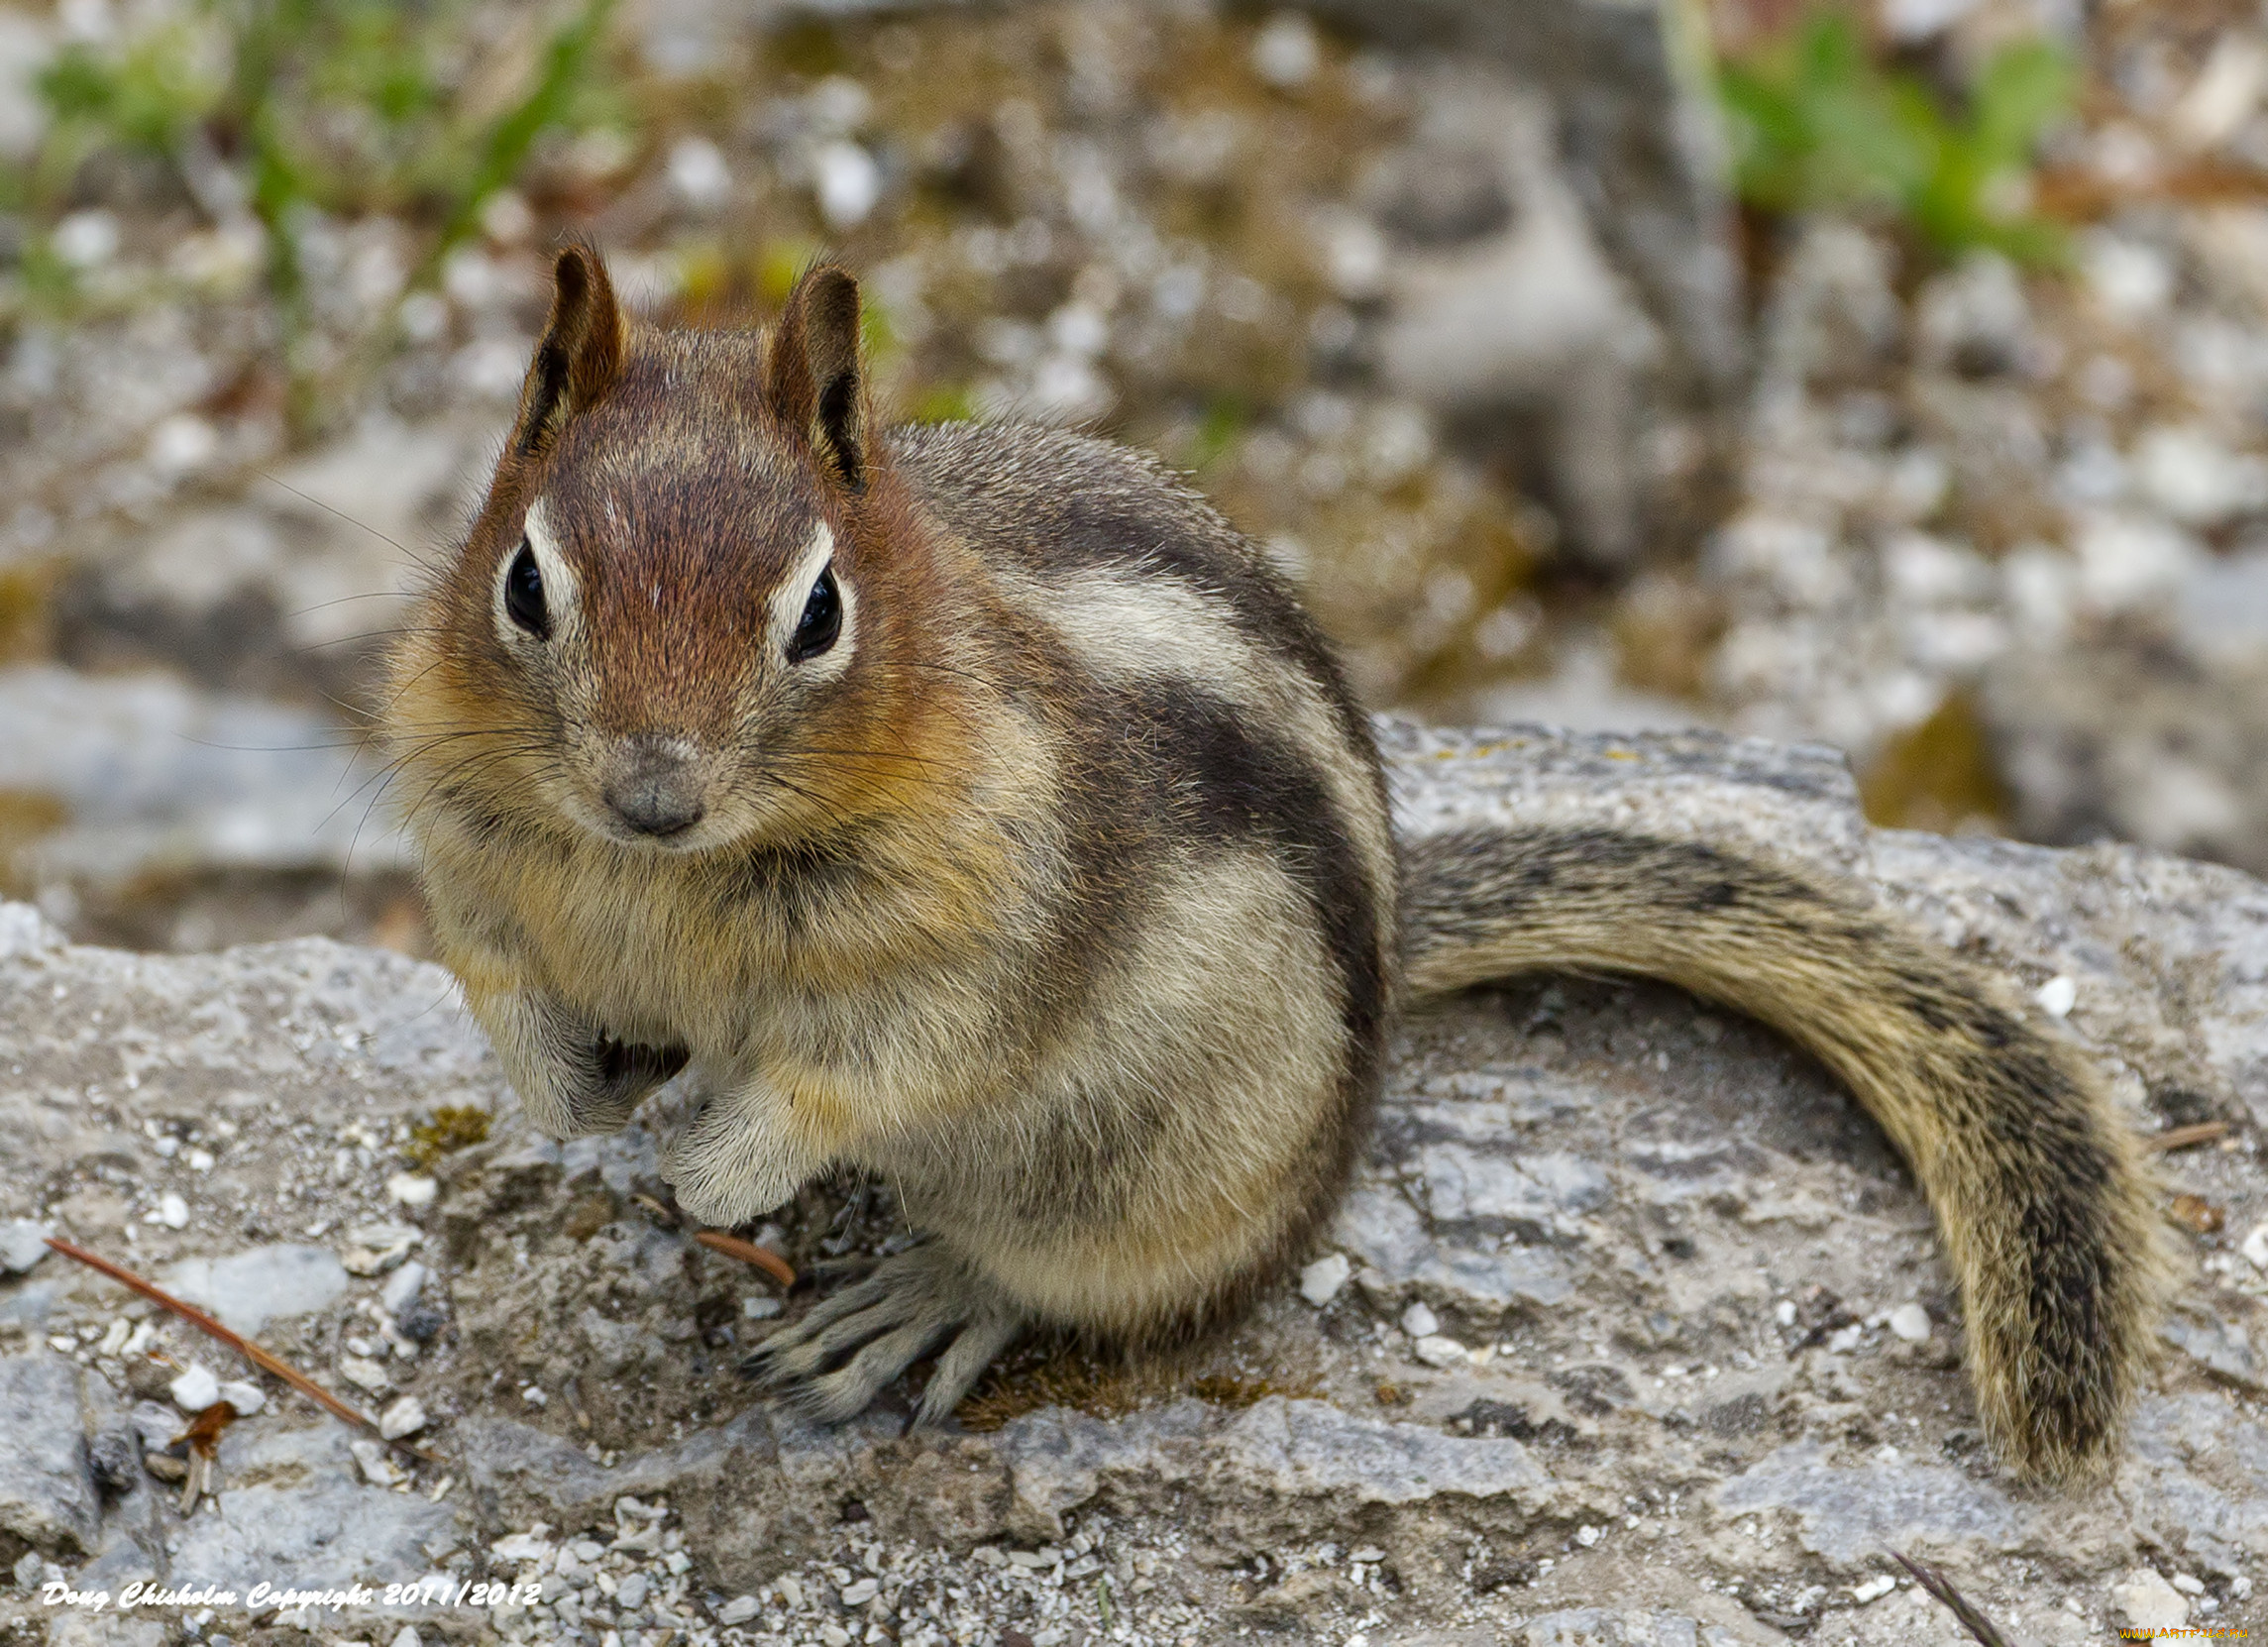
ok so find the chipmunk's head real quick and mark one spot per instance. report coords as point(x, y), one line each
point(683, 617)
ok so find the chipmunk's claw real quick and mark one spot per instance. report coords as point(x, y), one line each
point(836, 1360)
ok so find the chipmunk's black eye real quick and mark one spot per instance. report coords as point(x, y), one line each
point(821, 621)
point(523, 593)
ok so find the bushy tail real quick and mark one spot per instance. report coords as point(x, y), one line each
point(2037, 1186)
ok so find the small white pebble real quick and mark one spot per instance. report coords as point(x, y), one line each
point(413, 1189)
point(1911, 1323)
point(1438, 1350)
point(518, 1548)
point(195, 1390)
point(377, 1469)
point(173, 1211)
point(405, 1417)
point(699, 174)
point(1286, 53)
point(2189, 1584)
point(1587, 1536)
point(759, 1308)
point(791, 1588)
point(848, 183)
point(1784, 1312)
point(631, 1592)
point(403, 1287)
point(2255, 1247)
point(1844, 1340)
point(861, 1592)
point(533, 1396)
point(2058, 995)
point(1420, 1322)
point(247, 1397)
point(834, 1635)
point(1874, 1589)
point(1321, 1280)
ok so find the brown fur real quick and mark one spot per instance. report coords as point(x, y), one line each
point(1059, 886)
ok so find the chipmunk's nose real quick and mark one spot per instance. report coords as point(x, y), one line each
point(654, 785)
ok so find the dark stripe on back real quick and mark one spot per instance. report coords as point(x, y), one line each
point(1224, 783)
point(1062, 504)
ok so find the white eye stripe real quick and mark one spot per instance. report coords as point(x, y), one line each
point(794, 593)
point(561, 593)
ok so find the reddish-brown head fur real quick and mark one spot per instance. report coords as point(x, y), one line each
point(633, 611)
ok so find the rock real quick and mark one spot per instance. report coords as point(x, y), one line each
point(301, 1511)
point(2147, 1603)
point(114, 1461)
point(2256, 1246)
point(1438, 1350)
point(1850, 1514)
point(151, 777)
point(245, 1398)
point(1633, 1182)
point(373, 1248)
point(2163, 746)
point(1419, 1321)
point(405, 1417)
point(23, 1243)
point(364, 1373)
point(2221, 1347)
point(413, 1189)
point(738, 1610)
point(1911, 1323)
point(1598, 1627)
point(376, 1462)
point(401, 1288)
point(274, 592)
point(2195, 480)
point(260, 1285)
point(1532, 316)
point(48, 1496)
point(195, 1390)
point(1321, 1280)
point(1634, 113)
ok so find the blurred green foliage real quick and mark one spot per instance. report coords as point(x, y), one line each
point(333, 106)
point(1817, 123)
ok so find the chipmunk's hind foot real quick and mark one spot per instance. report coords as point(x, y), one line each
point(836, 1360)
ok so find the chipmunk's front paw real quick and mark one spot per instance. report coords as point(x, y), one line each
point(600, 1085)
point(736, 1159)
point(835, 1361)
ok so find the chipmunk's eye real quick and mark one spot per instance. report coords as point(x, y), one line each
point(523, 593)
point(821, 621)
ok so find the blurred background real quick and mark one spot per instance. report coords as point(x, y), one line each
point(1886, 376)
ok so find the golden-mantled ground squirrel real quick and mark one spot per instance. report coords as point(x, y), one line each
point(974, 806)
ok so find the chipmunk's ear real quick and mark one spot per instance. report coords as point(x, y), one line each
point(581, 354)
point(814, 378)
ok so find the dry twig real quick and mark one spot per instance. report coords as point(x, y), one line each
point(266, 1361)
point(2185, 1138)
point(747, 1251)
point(1936, 1582)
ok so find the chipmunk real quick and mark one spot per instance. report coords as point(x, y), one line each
point(973, 806)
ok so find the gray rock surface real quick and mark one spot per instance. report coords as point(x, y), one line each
point(47, 1496)
point(1657, 1400)
point(249, 1289)
point(149, 777)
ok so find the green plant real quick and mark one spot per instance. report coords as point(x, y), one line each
point(328, 107)
point(1816, 123)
